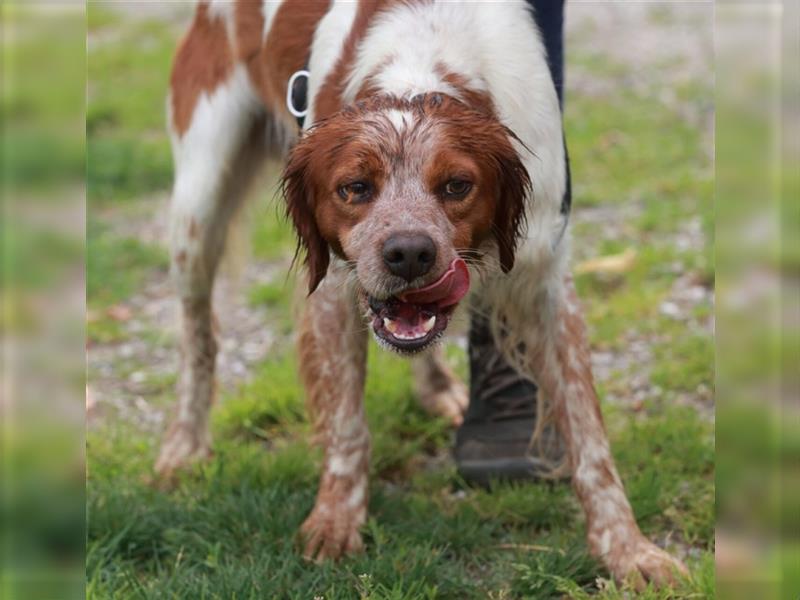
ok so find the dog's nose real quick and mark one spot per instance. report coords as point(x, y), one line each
point(409, 255)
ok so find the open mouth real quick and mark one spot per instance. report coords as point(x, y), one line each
point(411, 320)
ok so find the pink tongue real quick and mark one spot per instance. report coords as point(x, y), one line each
point(445, 291)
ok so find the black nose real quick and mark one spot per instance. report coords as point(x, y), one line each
point(409, 255)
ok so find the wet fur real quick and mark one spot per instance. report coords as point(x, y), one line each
point(482, 63)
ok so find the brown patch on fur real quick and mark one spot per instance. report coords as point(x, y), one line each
point(285, 50)
point(192, 228)
point(369, 89)
point(298, 192)
point(204, 60)
point(576, 339)
point(329, 98)
point(181, 258)
point(476, 99)
point(505, 181)
point(248, 20)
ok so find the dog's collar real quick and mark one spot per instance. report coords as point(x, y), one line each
point(297, 95)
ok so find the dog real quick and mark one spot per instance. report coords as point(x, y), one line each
point(431, 164)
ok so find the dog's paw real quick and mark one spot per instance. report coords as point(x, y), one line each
point(644, 562)
point(332, 532)
point(449, 402)
point(183, 445)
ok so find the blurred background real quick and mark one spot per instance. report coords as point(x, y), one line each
point(42, 523)
point(758, 313)
point(662, 268)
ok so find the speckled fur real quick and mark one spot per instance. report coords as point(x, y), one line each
point(485, 63)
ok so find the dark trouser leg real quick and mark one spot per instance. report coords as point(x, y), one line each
point(549, 15)
point(494, 441)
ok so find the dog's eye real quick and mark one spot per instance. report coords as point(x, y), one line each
point(355, 192)
point(457, 188)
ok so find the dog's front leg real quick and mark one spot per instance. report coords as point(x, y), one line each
point(332, 352)
point(560, 362)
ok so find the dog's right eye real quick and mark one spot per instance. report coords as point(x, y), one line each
point(355, 192)
point(456, 189)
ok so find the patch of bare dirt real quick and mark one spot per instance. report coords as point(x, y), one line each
point(124, 376)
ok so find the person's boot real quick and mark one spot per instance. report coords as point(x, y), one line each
point(494, 442)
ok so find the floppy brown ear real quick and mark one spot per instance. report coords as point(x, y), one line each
point(514, 188)
point(298, 194)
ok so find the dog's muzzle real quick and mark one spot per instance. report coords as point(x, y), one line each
point(412, 319)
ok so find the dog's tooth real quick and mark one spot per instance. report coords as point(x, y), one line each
point(410, 336)
point(390, 325)
point(428, 325)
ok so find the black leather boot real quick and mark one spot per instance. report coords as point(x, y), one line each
point(494, 441)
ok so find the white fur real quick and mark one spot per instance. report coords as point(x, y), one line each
point(344, 464)
point(268, 10)
point(223, 10)
point(202, 157)
point(400, 119)
point(605, 542)
point(358, 494)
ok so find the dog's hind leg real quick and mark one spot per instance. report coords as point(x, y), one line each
point(439, 390)
point(218, 130)
point(545, 338)
point(332, 357)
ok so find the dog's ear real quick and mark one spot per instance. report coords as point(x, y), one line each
point(514, 190)
point(298, 193)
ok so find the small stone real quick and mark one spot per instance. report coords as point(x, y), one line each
point(119, 312)
point(670, 309)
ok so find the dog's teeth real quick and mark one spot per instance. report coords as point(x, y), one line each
point(428, 325)
point(406, 337)
point(390, 325)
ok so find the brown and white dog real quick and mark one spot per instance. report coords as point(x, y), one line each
point(433, 150)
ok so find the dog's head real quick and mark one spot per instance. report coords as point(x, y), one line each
point(404, 190)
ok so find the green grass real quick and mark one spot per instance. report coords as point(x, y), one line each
point(272, 237)
point(229, 528)
point(40, 105)
point(116, 267)
point(128, 148)
point(127, 154)
point(634, 149)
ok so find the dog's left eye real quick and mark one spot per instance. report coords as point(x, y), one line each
point(355, 192)
point(457, 188)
